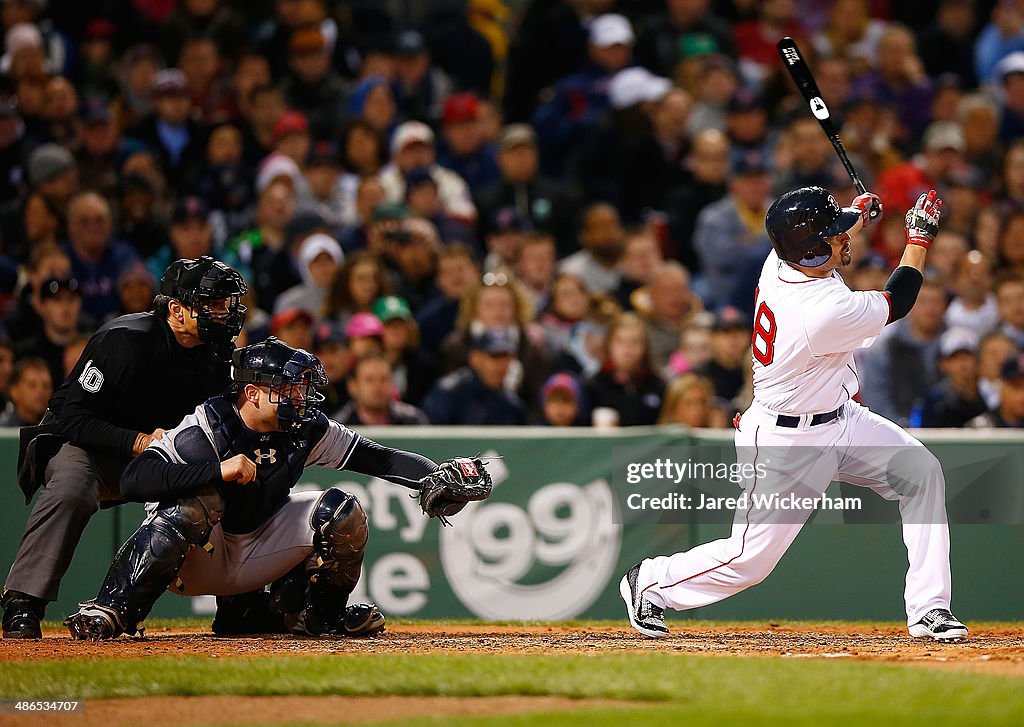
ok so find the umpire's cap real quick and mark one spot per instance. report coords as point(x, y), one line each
point(799, 222)
point(200, 281)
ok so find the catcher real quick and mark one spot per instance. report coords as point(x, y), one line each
point(221, 519)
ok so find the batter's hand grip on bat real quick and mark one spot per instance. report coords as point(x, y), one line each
point(870, 206)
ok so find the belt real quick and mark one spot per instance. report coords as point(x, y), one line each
point(786, 420)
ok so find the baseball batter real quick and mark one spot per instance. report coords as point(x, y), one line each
point(804, 430)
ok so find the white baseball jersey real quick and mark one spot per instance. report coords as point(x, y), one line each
point(805, 332)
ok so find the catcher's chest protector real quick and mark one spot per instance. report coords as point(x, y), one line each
point(279, 457)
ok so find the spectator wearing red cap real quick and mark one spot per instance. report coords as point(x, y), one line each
point(311, 85)
point(291, 137)
point(170, 129)
point(463, 148)
point(294, 326)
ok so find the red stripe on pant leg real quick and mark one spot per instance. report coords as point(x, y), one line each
point(743, 538)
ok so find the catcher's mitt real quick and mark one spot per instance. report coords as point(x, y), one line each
point(446, 490)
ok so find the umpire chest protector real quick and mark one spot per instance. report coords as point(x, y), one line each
point(280, 459)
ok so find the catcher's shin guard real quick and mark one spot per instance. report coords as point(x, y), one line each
point(150, 559)
point(339, 542)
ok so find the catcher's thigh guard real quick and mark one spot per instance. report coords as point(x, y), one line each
point(150, 559)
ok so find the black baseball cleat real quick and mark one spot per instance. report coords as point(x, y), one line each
point(645, 617)
point(94, 623)
point(939, 624)
point(22, 614)
point(363, 619)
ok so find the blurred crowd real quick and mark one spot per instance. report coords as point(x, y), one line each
point(488, 212)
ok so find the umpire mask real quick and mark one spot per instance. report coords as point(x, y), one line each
point(212, 291)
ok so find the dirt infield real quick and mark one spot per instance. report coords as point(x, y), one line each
point(990, 649)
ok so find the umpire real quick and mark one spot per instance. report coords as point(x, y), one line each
point(111, 407)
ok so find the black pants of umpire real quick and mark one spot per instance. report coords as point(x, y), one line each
point(76, 483)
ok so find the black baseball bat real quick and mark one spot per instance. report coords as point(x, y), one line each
point(801, 74)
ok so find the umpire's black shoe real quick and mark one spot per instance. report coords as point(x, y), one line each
point(22, 614)
point(247, 613)
point(645, 617)
point(939, 624)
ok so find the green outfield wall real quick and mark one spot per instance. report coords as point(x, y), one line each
point(547, 544)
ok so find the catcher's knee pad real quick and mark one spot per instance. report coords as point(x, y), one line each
point(339, 526)
point(194, 517)
point(339, 537)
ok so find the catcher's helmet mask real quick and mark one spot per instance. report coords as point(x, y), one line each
point(201, 283)
point(292, 375)
point(800, 222)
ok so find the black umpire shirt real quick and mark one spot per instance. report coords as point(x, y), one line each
point(133, 376)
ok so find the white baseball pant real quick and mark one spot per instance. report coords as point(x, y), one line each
point(245, 562)
point(861, 448)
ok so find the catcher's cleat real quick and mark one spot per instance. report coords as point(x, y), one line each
point(644, 616)
point(363, 619)
point(22, 614)
point(94, 623)
point(939, 624)
point(359, 620)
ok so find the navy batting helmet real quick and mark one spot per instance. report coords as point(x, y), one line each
point(799, 222)
point(292, 374)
